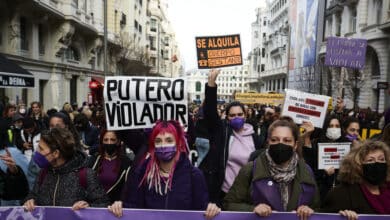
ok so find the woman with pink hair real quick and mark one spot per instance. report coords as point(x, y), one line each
point(166, 179)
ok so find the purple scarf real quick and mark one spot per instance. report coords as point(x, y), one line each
point(380, 203)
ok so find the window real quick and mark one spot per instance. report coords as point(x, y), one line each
point(153, 61)
point(262, 67)
point(378, 8)
point(85, 6)
point(153, 25)
point(198, 86)
point(263, 52)
point(166, 54)
point(166, 41)
point(123, 20)
point(256, 35)
point(152, 43)
point(136, 25)
point(338, 25)
point(140, 2)
point(265, 21)
point(23, 34)
point(72, 54)
point(41, 42)
point(353, 19)
point(140, 29)
point(75, 3)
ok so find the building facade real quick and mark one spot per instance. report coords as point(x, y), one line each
point(270, 34)
point(61, 43)
point(367, 19)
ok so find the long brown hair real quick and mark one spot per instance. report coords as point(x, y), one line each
point(351, 167)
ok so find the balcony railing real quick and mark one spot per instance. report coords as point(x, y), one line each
point(272, 72)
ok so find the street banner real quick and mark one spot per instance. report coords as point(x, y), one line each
point(345, 52)
point(260, 98)
point(66, 213)
point(218, 51)
point(331, 154)
point(138, 102)
point(302, 106)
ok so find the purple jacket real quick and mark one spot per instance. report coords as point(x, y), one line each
point(189, 190)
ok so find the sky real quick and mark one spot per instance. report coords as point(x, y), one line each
point(192, 18)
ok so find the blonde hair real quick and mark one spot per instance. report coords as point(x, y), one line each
point(351, 167)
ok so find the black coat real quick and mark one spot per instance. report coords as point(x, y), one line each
point(346, 196)
point(114, 193)
point(214, 164)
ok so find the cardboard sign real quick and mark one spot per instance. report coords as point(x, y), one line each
point(138, 102)
point(218, 51)
point(262, 98)
point(302, 106)
point(331, 154)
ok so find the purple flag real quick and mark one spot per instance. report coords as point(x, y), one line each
point(344, 52)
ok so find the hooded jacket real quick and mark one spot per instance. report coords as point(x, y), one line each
point(61, 186)
point(214, 164)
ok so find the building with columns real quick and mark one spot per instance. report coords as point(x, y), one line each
point(60, 42)
point(367, 19)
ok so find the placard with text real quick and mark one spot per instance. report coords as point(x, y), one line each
point(218, 51)
point(138, 102)
point(331, 154)
point(302, 106)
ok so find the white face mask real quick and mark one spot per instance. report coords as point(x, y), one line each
point(333, 133)
point(22, 110)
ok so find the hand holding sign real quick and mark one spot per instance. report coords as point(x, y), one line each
point(213, 74)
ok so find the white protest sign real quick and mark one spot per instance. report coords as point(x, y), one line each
point(331, 154)
point(302, 106)
point(137, 102)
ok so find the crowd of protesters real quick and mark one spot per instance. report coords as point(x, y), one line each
point(249, 158)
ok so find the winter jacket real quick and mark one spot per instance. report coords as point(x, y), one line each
point(346, 196)
point(61, 186)
point(214, 164)
point(114, 193)
point(188, 192)
point(324, 181)
point(253, 187)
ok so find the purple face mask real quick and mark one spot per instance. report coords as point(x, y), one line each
point(41, 160)
point(351, 137)
point(165, 153)
point(237, 123)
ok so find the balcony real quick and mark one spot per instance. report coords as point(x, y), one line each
point(278, 51)
point(274, 72)
point(335, 6)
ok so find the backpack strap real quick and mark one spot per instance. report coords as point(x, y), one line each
point(83, 177)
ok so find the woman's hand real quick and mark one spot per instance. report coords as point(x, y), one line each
point(9, 161)
point(29, 205)
point(116, 208)
point(304, 212)
point(351, 215)
point(263, 210)
point(80, 205)
point(213, 74)
point(330, 171)
point(212, 210)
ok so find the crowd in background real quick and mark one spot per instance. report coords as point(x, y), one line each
point(249, 158)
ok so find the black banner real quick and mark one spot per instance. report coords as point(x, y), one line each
point(16, 81)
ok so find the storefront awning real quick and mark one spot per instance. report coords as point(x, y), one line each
point(14, 76)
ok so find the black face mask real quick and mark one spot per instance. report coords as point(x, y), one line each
point(110, 148)
point(280, 153)
point(375, 173)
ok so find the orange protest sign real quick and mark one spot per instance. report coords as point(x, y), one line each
point(218, 51)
